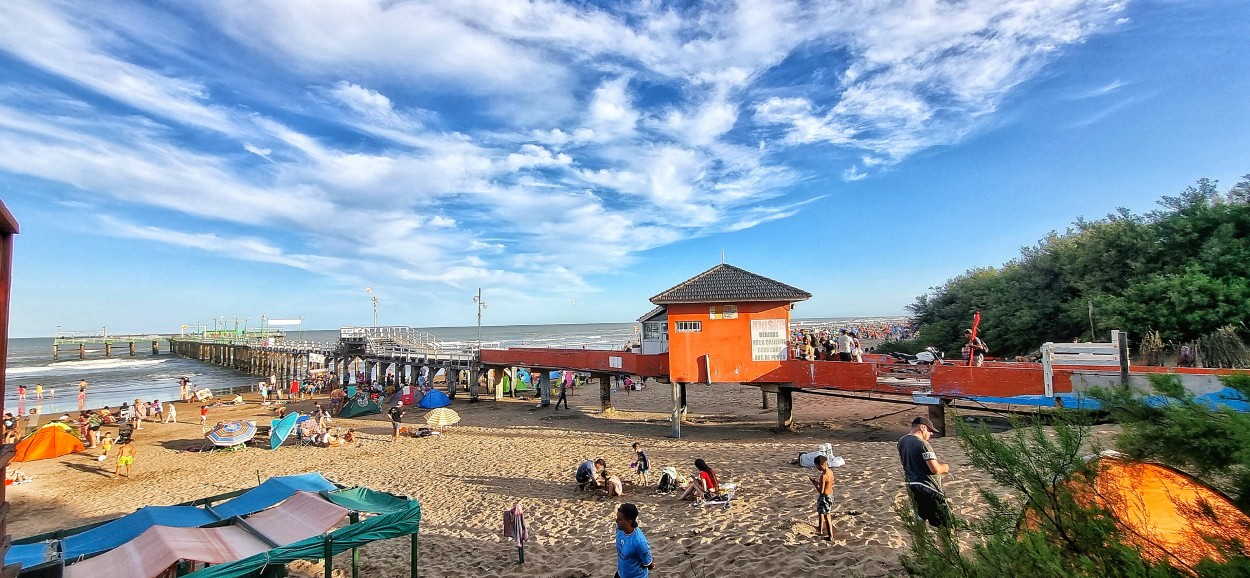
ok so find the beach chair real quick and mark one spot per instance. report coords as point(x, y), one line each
point(722, 499)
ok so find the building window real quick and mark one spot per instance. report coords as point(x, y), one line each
point(652, 330)
point(689, 327)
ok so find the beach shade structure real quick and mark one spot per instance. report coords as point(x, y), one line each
point(48, 442)
point(360, 405)
point(1167, 514)
point(443, 416)
point(282, 429)
point(433, 399)
point(231, 433)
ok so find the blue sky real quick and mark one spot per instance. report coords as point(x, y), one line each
point(172, 164)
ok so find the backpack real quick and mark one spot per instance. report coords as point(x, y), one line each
point(668, 483)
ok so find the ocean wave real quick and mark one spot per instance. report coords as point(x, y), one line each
point(84, 366)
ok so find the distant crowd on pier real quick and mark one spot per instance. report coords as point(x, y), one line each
point(841, 342)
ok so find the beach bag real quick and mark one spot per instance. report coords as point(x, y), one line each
point(669, 480)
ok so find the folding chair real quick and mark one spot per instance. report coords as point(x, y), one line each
point(722, 499)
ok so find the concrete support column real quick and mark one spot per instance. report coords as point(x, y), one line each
point(937, 414)
point(605, 391)
point(54, 353)
point(764, 399)
point(474, 371)
point(785, 408)
point(676, 417)
point(543, 379)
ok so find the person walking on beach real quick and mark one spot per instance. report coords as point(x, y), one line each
point(82, 399)
point(137, 411)
point(396, 415)
point(923, 472)
point(633, 553)
point(125, 458)
point(564, 395)
point(158, 411)
point(172, 417)
point(204, 415)
point(21, 393)
point(51, 392)
point(824, 498)
point(38, 391)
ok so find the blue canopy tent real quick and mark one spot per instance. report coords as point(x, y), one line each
point(113, 534)
point(433, 399)
point(271, 492)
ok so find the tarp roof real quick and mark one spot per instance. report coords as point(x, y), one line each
point(303, 515)
point(366, 500)
point(274, 490)
point(160, 547)
point(126, 528)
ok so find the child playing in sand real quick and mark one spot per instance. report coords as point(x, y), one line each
point(612, 484)
point(106, 444)
point(203, 415)
point(642, 465)
point(125, 458)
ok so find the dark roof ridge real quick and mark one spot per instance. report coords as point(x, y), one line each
point(725, 283)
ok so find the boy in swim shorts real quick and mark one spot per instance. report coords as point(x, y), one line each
point(125, 458)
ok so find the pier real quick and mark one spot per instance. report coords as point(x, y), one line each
point(80, 341)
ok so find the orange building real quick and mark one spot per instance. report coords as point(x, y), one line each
point(725, 324)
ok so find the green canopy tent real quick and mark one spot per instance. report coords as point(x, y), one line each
point(360, 405)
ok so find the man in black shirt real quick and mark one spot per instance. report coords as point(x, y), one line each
point(923, 473)
point(395, 414)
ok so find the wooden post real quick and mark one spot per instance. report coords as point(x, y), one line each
point(605, 393)
point(785, 408)
point(676, 417)
point(764, 399)
point(937, 414)
point(54, 354)
point(474, 370)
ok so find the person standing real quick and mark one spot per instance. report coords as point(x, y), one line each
point(38, 391)
point(845, 345)
point(564, 394)
point(642, 465)
point(82, 398)
point(923, 472)
point(975, 348)
point(633, 553)
point(204, 415)
point(125, 458)
point(824, 498)
point(396, 415)
point(158, 411)
point(172, 416)
point(21, 394)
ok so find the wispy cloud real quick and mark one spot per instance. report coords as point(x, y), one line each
point(471, 142)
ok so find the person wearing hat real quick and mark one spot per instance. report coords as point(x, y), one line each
point(395, 414)
point(633, 553)
point(923, 472)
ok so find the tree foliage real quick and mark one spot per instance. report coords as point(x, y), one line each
point(1182, 270)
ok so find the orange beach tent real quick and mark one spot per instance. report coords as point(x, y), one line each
point(47, 442)
point(1165, 513)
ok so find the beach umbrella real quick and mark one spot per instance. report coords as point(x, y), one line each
point(281, 430)
point(442, 416)
point(231, 433)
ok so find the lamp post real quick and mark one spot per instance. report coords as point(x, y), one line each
point(480, 306)
point(374, 299)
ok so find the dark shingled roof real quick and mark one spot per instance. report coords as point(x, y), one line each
point(652, 314)
point(728, 284)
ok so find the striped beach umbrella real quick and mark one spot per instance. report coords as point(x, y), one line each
point(231, 433)
point(442, 416)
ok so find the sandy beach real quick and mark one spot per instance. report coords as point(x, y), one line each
point(507, 452)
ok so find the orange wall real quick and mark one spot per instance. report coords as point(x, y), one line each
point(726, 341)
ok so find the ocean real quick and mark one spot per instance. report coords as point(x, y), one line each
point(122, 378)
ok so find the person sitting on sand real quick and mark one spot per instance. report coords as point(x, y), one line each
point(586, 473)
point(704, 484)
point(612, 484)
point(350, 436)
